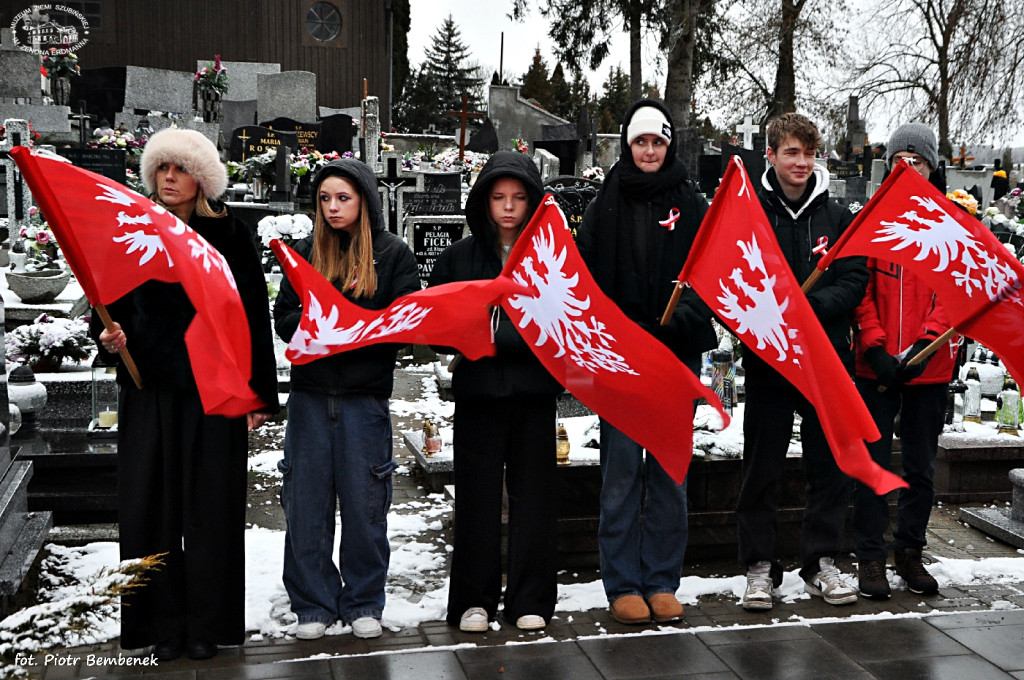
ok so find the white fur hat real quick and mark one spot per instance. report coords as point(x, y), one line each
point(192, 151)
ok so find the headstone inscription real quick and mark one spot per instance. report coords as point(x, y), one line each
point(252, 140)
point(107, 162)
point(430, 235)
point(573, 195)
point(441, 195)
point(307, 133)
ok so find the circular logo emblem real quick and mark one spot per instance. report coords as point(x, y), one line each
point(53, 29)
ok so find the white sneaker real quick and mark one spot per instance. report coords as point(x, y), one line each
point(311, 630)
point(828, 583)
point(530, 622)
point(758, 595)
point(366, 627)
point(474, 620)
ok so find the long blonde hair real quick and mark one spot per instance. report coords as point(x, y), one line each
point(354, 267)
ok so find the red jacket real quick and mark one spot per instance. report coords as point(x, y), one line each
point(897, 311)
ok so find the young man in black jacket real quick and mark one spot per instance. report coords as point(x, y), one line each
point(794, 195)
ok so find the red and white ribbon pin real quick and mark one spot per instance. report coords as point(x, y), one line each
point(822, 247)
point(670, 222)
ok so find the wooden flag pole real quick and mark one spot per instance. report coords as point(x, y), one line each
point(811, 280)
point(931, 349)
point(129, 363)
point(673, 301)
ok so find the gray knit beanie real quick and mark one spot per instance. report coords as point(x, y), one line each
point(914, 138)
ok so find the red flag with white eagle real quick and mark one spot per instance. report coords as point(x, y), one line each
point(909, 222)
point(737, 268)
point(115, 239)
point(585, 341)
point(455, 315)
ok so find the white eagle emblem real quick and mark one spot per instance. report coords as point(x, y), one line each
point(323, 331)
point(973, 266)
point(764, 318)
point(557, 311)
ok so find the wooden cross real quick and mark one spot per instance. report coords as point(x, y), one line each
point(463, 115)
point(749, 130)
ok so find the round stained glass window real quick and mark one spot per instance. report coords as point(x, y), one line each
point(323, 21)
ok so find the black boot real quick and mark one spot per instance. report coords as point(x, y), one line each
point(872, 580)
point(909, 566)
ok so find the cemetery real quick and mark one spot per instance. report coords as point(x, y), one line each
point(58, 452)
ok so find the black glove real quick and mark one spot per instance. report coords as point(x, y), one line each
point(885, 365)
point(908, 373)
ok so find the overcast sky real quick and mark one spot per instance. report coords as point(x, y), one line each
point(481, 23)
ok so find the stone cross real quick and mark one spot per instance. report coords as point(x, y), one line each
point(393, 185)
point(748, 129)
point(371, 124)
point(463, 116)
point(19, 200)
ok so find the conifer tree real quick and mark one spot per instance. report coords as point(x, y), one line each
point(535, 82)
point(561, 94)
point(615, 100)
point(449, 75)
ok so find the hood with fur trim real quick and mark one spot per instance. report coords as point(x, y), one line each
point(363, 177)
point(192, 151)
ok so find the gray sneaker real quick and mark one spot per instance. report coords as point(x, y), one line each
point(758, 595)
point(828, 583)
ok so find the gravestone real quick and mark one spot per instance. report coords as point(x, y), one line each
point(19, 199)
point(547, 163)
point(856, 190)
point(290, 94)
point(235, 114)
point(563, 142)
point(441, 195)
point(336, 133)
point(107, 162)
point(573, 195)
point(748, 129)
point(280, 196)
point(371, 133)
point(252, 140)
point(306, 133)
point(157, 89)
point(753, 160)
point(709, 173)
point(485, 140)
point(242, 79)
point(856, 131)
point(1006, 524)
point(19, 72)
point(429, 236)
point(394, 185)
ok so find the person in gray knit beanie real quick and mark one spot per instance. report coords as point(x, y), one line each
point(914, 138)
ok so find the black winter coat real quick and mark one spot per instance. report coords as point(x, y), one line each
point(368, 370)
point(835, 295)
point(514, 370)
point(156, 315)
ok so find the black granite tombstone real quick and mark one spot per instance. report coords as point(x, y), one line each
point(106, 162)
point(564, 143)
point(573, 194)
point(484, 140)
point(441, 195)
point(709, 173)
point(336, 133)
point(252, 140)
point(307, 133)
point(431, 234)
point(753, 161)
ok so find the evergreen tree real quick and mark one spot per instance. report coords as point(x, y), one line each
point(416, 109)
point(579, 96)
point(450, 76)
point(535, 82)
point(400, 70)
point(615, 100)
point(560, 95)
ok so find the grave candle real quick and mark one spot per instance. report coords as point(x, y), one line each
point(107, 419)
point(972, 401)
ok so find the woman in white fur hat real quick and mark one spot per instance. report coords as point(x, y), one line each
point(182, 474)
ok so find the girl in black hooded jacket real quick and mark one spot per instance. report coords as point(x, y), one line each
point(504, 425)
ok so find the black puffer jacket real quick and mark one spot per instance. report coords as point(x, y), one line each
point(514, 370)
point(368, 370)
point(841, 288)
point(634, 259)
point(156, 315)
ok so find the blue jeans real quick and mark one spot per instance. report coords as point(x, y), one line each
point(643, 526)
point(337, 455)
